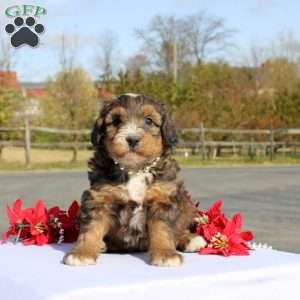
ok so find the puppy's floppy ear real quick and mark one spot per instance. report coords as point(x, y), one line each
point(97, 132)
point(99, 126)
point(168, 130)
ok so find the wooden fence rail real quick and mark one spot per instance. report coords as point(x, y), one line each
point(289, 131)
point(200, 143)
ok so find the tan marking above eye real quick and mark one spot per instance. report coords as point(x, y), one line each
point(117, 111)
point(150, 112)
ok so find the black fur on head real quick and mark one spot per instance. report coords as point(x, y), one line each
point(98, 131)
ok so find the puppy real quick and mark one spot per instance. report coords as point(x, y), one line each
point(136, 201)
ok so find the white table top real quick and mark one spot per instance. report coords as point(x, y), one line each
point(36, 273)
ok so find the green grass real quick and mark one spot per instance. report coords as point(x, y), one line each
point(189, 162)
point(197, 162)
point(45, 159)
point(51, 166)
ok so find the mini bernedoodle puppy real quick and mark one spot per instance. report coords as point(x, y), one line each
point(136, 201)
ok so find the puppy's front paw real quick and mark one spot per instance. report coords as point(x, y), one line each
point(73, 259)
point(166, 259)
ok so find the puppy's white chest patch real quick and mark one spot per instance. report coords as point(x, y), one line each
point(133, 221)
point(137, 185)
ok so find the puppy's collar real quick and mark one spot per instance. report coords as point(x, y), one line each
point(147, 169)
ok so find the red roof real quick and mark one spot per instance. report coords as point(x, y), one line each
point(8, 79)
point(103, 93)
point(35, 92)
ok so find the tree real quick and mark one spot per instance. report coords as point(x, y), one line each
point(68, 46)
point(71, 102)
point(107, 54)
point(206, 35)
point(288, 106)
point(7, 56)
point(9, 104)
point(163, 38)
point(137, 62)
point(156, 84)
point(286, 46)
point(171, 42)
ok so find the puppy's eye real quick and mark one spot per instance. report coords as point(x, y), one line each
point(148, 121)
point(116, 120)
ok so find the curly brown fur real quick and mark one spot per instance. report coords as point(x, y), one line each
point(136, 201)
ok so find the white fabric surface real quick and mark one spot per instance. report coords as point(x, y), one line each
point(36, 273)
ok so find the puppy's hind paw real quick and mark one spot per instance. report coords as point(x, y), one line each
point(73, 259)
point(195, 244)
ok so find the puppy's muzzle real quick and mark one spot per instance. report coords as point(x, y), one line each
point(132, 141)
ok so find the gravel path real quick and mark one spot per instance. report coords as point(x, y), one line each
point(268, 197)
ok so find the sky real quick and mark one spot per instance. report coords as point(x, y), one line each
point(256, 22)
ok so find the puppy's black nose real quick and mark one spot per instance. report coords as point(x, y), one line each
point(132, 141)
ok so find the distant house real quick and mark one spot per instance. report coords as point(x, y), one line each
point(104, 94)
point(9, 79)
point(34, 91)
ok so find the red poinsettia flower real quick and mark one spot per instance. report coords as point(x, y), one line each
point(214, 216)
point(71, 227)
point(15, 216)
point(39, 226)
point(64, 225)
point(17, 225)
point(55, 214)
point(38, 220)
point(230, 241)
point(74, 209)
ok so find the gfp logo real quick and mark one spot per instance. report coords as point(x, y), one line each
point(24, 30)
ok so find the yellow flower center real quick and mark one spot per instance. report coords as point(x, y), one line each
point(219, 241)
point(40, 227)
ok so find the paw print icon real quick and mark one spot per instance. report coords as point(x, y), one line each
point(24, 32)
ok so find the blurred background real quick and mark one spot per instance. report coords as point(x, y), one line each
point(228, 71)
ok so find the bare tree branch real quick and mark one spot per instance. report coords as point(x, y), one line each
point(194, 37)
point(68, 52)
point(159, 41)
point(137, 62)
point(7, 56)
point(206, 35)
point(106, 54)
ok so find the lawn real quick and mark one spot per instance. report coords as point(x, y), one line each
point(13, 159)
